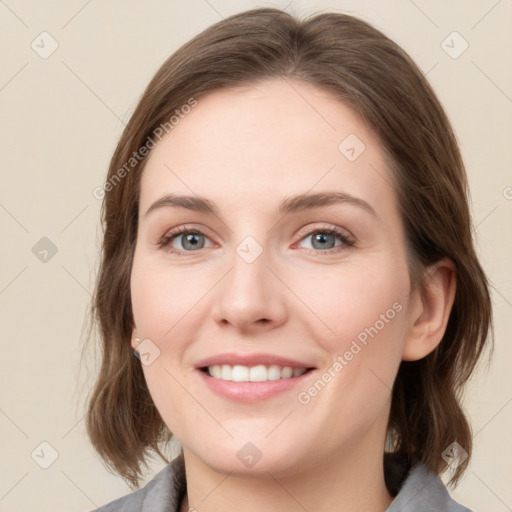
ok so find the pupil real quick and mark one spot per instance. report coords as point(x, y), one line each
point(192, 240)
point(321, 237)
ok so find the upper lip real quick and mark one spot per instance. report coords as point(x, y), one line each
point(251, 360)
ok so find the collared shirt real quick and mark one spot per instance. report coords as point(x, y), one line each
point(421, 491)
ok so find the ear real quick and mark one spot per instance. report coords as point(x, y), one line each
point(135, 340)
point(430, 310)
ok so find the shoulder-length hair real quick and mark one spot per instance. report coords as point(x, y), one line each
point(377, 79)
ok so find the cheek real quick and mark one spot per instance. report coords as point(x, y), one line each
point(363, 319)
point(168, 307)
point(356, 302)
point(362, 327)
point(162, 304)
point(163, 298)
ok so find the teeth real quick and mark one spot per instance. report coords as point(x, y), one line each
point(260, 373)
point(226, 372)
point(273, 372)
point(240, 373)
point(287, 372)
point(297, 372)
point(215, 371)
point(256, 374)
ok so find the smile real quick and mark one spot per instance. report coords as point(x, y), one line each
point(252, 377)
point(259, 373)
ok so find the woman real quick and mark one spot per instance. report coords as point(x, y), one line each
point(288, 254)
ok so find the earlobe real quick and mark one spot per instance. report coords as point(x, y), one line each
point(431, 311)
point(135, 340)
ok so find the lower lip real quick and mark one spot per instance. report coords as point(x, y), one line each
point(251, 391)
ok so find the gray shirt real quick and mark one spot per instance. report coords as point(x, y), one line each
point(421, 491)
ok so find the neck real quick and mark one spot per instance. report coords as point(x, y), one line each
point(344, 481)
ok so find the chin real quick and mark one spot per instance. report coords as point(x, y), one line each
point(246, 458)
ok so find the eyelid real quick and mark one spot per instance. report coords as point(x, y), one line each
point(173, 233)
point(322, 226)
point(346, 237)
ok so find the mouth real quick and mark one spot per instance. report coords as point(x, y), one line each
point(258, 373)
point(251, 377)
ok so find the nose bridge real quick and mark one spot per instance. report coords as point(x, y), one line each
point(248, 279)
point(250, 292)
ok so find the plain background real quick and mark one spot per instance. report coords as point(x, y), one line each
point(61, 118)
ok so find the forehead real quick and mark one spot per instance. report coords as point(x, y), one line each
point(262, 141)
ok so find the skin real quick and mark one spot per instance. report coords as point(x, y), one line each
point(246, 149)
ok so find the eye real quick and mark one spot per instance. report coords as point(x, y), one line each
point(324, 240)
point(327, 240)
point(184, 239)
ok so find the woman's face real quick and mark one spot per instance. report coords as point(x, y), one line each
point(299, 265)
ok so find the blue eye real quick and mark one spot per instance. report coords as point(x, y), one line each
point(190, 240)
point(325, 240)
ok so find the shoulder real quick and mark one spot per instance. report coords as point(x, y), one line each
point(423, 491)
point(163, 493)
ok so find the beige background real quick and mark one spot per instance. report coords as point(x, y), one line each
point(61, 117)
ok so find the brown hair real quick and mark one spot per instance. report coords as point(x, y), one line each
point(373, 75)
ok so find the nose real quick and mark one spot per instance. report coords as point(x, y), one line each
point(250, 297)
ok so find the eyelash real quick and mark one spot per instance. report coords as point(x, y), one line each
point(347, 242)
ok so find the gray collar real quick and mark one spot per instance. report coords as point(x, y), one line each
point(422, 491)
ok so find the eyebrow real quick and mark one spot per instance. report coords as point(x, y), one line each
point(289, 205)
